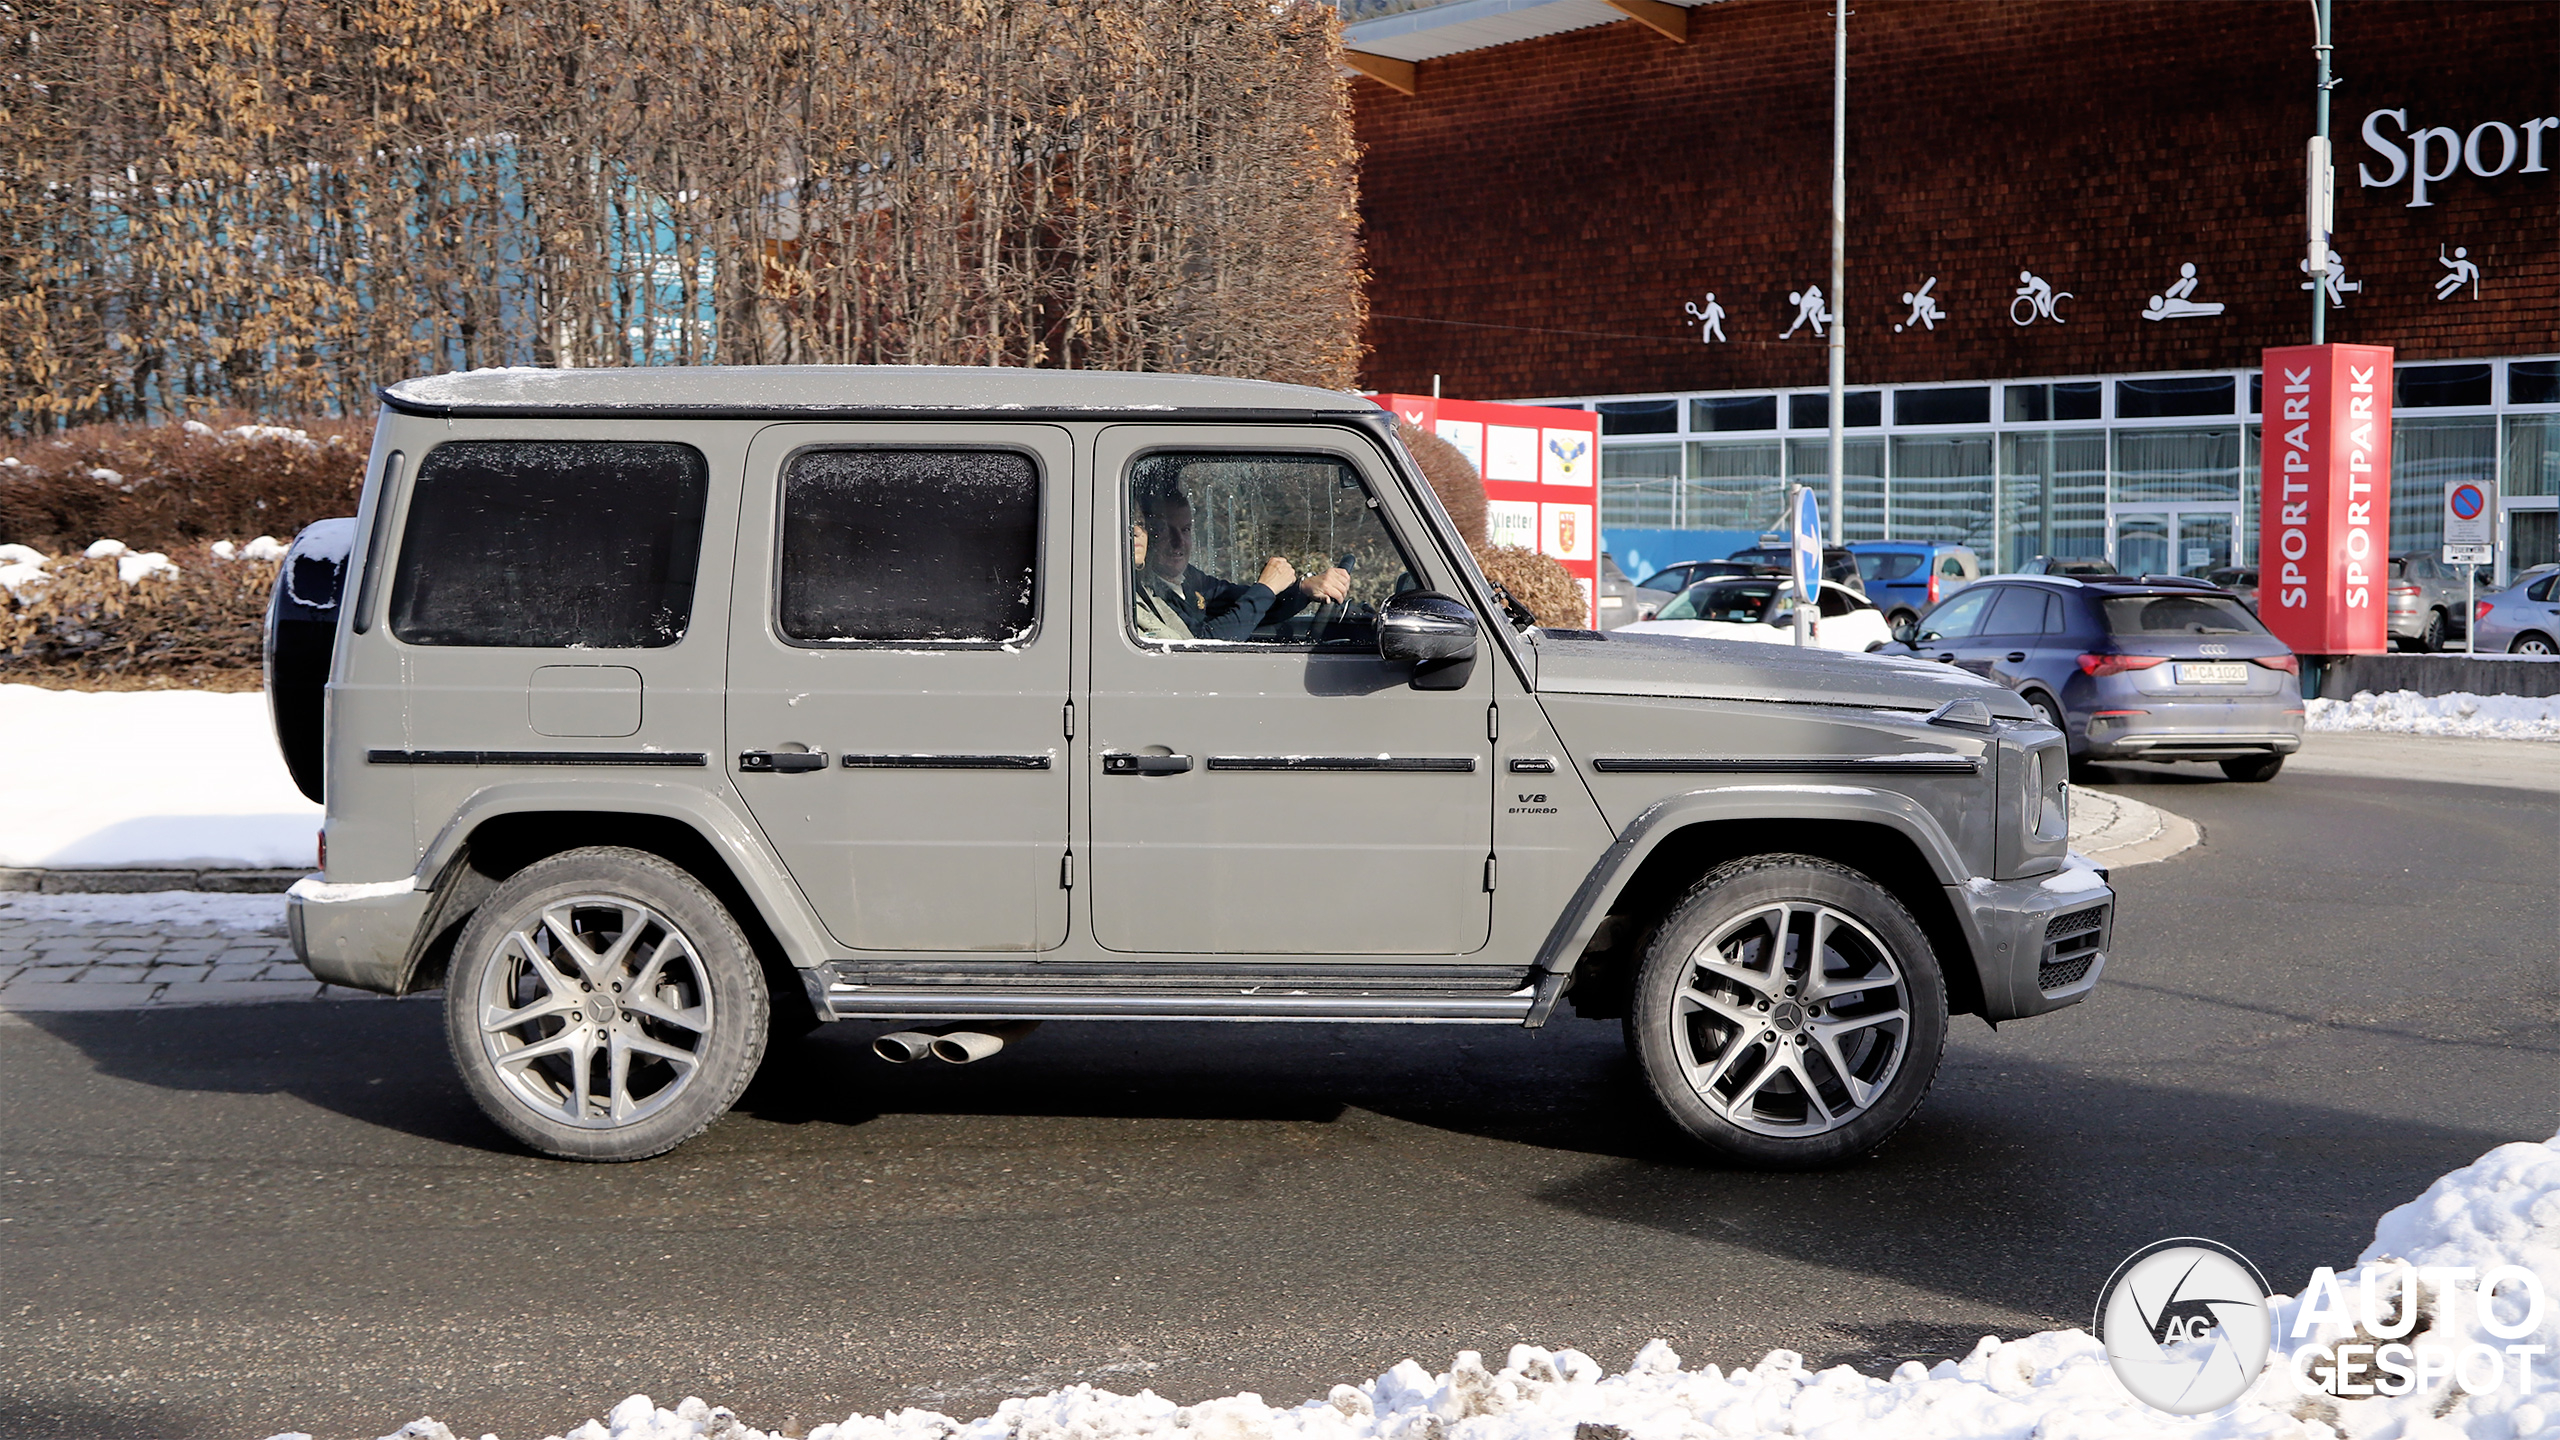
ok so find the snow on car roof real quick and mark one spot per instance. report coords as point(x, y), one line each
point(701, 390)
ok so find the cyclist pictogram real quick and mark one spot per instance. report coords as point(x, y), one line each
point(2037, 300)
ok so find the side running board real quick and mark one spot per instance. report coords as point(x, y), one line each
point(845, 1000)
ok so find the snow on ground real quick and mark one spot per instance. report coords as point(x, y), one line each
point(178, 778)
point(2503, 1209)
point(247, 913)
point(2406, 712)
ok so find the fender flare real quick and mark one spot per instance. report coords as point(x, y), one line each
point(1618, 864)
point(758, 871)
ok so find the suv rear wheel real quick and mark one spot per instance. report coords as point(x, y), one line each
point(1789, 1012)
point(603, 1005)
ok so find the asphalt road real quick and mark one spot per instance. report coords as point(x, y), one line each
point(233, 1222)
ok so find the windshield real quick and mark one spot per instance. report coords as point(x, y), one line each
point(1735, 602)
point(1888, 566)
point(2178, 615)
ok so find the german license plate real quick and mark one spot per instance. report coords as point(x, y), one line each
point(2213, 673)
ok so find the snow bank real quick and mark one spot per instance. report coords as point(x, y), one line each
point(252, 914)
point(2503, 1209)
point(146, 778)
point(2406, 712)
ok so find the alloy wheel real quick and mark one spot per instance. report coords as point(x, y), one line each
point(596, 1014)
point(1793, 1019)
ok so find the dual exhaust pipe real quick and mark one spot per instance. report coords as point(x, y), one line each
point(960, 1044)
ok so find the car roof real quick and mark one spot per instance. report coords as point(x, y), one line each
point(1904, 547)
point(2029, 579)
point(751, 391)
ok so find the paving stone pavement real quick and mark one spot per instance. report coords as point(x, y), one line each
point(63, 964)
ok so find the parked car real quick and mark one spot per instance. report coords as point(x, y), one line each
point(1763, 609)
point(1673, 579)
point(2240, 580)
point(2524, 618)
point(1623, 600)
point(950, 724)
point(1838, 565)
point(2081, 565)
point(2128, 669)
point(1906, 577)
point(2427, 601)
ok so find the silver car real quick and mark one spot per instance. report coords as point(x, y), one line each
point(2426, 602)
point(1623, 601)
point(2524, 618)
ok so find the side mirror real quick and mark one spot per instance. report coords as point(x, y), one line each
point(1907, 633)
point(1433, 633)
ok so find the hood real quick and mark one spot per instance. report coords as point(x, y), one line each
point(1687, 667)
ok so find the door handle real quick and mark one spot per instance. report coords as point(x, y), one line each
point(1117, 763)
point(2017, 655)
point(782, 762)
point(1947, 659)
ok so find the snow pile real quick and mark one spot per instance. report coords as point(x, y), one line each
point(146, 778)
point(2406, 712)
point(265, 547)
point(247, 914)
point(2503, 1209)
point(21, 568)
point(241, 433)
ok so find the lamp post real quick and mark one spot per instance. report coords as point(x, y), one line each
point(2320, 181)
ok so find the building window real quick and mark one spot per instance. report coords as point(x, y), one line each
point(2532, 498)
point(2157, 465)
point(2039, 404)
point(2435, 387)
point(1734, 412)
point(1861, 483)
point(1639, 417)
point(1965, 405)
point(2427, 455)
point(1733, 485)
point(2053, 496)
point(2533, 382)
point(1640, 487)
point(2172, 396)
point(1859, 410)
point(1943, 490)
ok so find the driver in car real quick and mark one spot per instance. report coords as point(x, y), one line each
point(1211, 608)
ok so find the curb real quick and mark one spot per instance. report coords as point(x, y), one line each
point(29, 881)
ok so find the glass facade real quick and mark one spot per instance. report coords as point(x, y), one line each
point(2155, 472)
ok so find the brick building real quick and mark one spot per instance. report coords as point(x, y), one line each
point(2073, 227)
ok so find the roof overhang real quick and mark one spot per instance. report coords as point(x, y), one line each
point(1452, 27)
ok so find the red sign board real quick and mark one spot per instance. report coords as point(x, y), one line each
point(1541, 470)
point(2324, 497)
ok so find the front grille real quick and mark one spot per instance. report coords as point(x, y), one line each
point(2074, 923)
point(2054, 974)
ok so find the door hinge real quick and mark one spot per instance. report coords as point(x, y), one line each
point(1493, 722)
point(1067, 871)
point(1490, 873)
point(1071, 719)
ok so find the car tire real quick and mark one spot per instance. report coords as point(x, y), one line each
point(2431, 639)
point(2253, 768)
point(685, 1012)
point(1716, 1003)
point(2533, 642)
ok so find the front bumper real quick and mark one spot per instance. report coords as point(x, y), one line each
point(2038, 944)
point(355, 935)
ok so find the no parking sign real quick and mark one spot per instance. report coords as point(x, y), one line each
point(2470, 523)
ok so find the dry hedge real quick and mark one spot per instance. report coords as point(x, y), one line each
point(1538, 582)
point(81, 627)
point(162, 487)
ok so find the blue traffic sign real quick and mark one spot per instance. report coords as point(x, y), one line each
point(2468, 502)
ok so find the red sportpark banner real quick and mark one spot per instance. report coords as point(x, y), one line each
point(1541, 470)
point(2324, 498)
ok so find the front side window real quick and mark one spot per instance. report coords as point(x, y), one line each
point(1958, 618)
point(553, 544)
point(1258, 549)
point(909, 547)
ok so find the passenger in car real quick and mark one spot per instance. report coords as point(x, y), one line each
point(1149, 610)
point(1211, 608)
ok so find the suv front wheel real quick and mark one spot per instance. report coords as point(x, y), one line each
point(603, 1005)
point(1789, 1012)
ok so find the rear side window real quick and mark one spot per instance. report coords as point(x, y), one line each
point(2018, 611)
point(551, 544)
point(1889, 566)
point(910, 547)
point(1951, 565)
point(2178, 615)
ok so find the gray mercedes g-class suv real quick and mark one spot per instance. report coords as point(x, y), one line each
point(658, 710)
